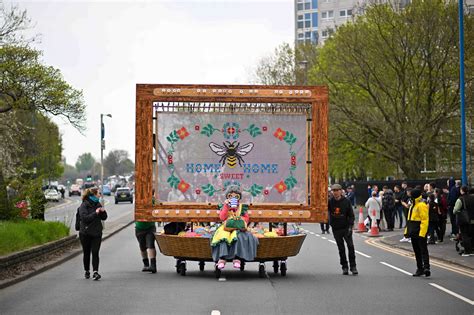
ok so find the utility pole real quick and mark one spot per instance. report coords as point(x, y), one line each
point(102, 148)
point(461, 89)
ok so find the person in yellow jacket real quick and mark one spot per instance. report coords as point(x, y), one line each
point(416, 229)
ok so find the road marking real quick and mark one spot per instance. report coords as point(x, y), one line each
point(215, 312)
point(324, 238)
point(334, 242)
point(222, 279)
point(452, 293)
point(362, 254)
point(317, 235)
point(312, 233)
point(396, 268)
point(435, 262)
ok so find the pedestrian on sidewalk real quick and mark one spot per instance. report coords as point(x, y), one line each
point(398, 205)
point(465, 203)
point(388, 207)
point(454, 193)
point(374, 203)
point(91, 213)
point(433, 210)
point(417, 227)
point(442, 213)
point(341, 219)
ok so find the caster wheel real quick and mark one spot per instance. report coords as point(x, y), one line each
point(283, 268)
point(261, 270)
point(275, 266)
point(201, 265)
point(242, 265)
point(218, 272)
point(182, 268)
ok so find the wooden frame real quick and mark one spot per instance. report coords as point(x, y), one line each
point(147, 94)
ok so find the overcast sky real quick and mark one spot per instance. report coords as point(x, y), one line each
point(106, 47)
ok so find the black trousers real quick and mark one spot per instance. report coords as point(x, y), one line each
point(324, 227)
point(90, 245)
point(420, 247)
point(467, 231)
point(390, 218)
point(441, 228)
point(344, 235)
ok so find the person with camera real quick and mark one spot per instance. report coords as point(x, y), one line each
point(91, 214)
point(341, 219)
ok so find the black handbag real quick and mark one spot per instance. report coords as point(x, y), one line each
point(462, 218)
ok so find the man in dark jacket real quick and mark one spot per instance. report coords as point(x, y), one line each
point(341, 219)
point(454, 193)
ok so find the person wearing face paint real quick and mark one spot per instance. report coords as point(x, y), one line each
point(91, 215)
point(231, 240)
point(341, 219)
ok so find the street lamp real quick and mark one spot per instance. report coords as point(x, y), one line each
point(102, 148)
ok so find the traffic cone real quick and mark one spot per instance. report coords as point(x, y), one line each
point(374, 230)
point(361, 228)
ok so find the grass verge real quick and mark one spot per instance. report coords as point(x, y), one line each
point(20, 235)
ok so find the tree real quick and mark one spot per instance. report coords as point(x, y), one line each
point(85, 162)
point(394, 81)
point(12, 22)
point(279, 68)
point(118, 163)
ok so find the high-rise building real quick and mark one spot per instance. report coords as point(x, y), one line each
point(306, 21)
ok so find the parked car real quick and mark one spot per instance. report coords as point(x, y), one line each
point(75, 190)
point(123, 194)
point(106, 190)
point(52, 195)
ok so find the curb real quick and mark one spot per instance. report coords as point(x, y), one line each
point(445, 260)
point(67, 256)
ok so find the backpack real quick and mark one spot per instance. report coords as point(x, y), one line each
point(388, 201)
point(78, 220)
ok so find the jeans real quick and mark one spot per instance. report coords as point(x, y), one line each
point(399, 213)
point(90, 244)
point(420, 247)
point(345, 235)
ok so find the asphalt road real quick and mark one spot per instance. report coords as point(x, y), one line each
point(313, 285)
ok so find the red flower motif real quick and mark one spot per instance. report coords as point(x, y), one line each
point(293, 158)
point(197, 127)
point(170, 161)
point(293, 163)
point(264, 128)
point(231, 130)
point(198, 191)
point(280, 187)
point(183, 186)
point(266, 192)
point(280, 134)
point(183, 133)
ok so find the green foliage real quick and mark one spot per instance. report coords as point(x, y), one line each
point(31, 191)
point(208, 130)
point(254, 131)
point(85, 162)
point(393, 80)
point(289, 138)
point(208, 189)
point(117, 162)
point(173, 137)
point(255, 190)
point(279, 68)
point(290, 182)
point(22, 234)
point(173, 181)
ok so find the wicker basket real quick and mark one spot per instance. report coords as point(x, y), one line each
point(197, 248)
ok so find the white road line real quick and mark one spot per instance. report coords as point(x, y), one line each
point(396, 268)
point(312, 233)
point(362, 254)
point(334, 242)
point(324, 238)
point(215, 312)
point(222, 279)
point(452, 293)
point(317, 235)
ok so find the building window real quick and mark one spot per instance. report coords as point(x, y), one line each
point(327, 15)
point(315, 19)
point(324, 15)
point(307, 6)
point(300, 17)
point(300, 35)
point(299, 6)
point(327, 1)
point(300, 25)
point(307, 16)
point(330, 14)
point(324, 34)
point(345, 13)
point(349, 12)
point(307, 24)
point(314, 4)
point(307, 34)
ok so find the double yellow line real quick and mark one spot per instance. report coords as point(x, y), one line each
point(433, 261)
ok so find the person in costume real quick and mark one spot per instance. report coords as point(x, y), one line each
point(232, 241)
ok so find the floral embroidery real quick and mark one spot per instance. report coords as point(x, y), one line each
point(280, 187)
point(280, 134)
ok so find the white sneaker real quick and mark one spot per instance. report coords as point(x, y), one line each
point(409, 240)
point(404, 239)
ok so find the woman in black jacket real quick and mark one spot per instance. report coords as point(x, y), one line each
point(92, 214)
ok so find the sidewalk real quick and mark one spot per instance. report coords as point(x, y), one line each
point(445, 251)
